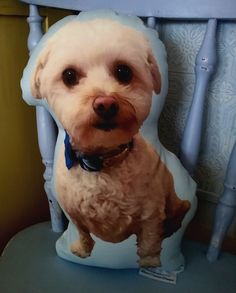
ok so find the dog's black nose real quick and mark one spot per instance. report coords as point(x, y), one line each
point(105, 107)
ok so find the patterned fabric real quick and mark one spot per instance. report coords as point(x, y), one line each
point(183, 41)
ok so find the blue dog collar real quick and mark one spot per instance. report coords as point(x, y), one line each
point(91, 163)
point(70, 156)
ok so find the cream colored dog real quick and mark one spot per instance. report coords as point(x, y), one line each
point(98, 77)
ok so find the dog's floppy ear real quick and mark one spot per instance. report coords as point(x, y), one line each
point(156, 77)
point(36, 77)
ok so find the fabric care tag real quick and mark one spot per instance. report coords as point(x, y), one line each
point(161, 275)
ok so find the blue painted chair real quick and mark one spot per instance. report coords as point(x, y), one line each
point(29, 263)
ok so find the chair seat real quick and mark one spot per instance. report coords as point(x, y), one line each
point(29, 264)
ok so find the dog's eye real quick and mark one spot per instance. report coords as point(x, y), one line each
point(70, 77)
point(123, 73)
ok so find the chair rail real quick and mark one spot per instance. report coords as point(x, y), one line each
point(178, 9)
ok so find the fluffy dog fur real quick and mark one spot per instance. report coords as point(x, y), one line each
point(134, 192)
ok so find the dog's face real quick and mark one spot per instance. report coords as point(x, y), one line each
point(98, 77)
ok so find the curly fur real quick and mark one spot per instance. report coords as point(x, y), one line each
point(133, 194)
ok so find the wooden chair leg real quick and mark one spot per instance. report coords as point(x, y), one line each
point(225, 210)
point(47, 132)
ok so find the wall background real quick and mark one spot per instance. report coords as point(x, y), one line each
point(22, 197)
point(183, 40)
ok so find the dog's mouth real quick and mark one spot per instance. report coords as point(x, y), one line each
point(105, 125)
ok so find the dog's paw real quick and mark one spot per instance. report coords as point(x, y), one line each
point(81, 249)
point(150, 261)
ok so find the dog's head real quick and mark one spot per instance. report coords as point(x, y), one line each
point(98, 77)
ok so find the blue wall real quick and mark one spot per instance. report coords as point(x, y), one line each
point(183, 40)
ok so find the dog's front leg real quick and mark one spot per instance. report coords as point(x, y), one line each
point(149, 243)
point(84, 245)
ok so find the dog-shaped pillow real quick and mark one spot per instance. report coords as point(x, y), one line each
point(100, 75)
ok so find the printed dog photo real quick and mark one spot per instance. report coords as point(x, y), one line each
point(98, 77)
